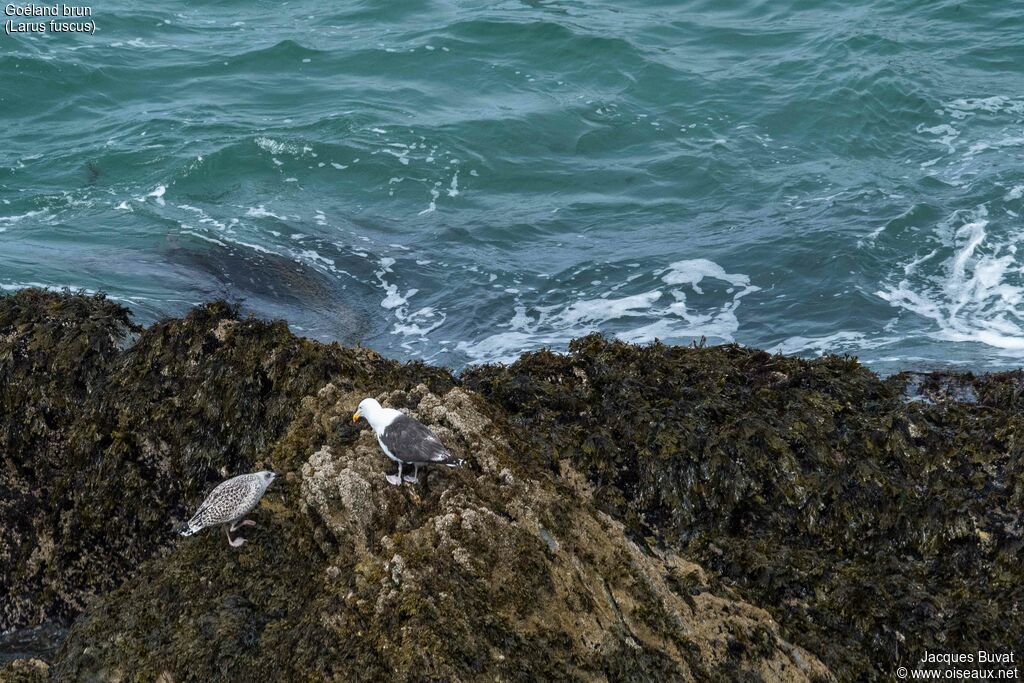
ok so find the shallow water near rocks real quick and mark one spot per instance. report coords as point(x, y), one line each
point(38, 641)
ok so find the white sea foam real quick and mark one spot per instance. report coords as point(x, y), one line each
point(276, 147)
point(843, 341)
point(964, 107)
point(254, 247)
point(17, 219)
point(158, 194)
point(409, 324)
point(432, 206)
point(659, 313)
point(402, 155)
point(15, 286)
point(206, 219)
point(971, 287)
point(202, 237)
point(312, 256)
point(978, 129)
point(261, 212)
point(984, 145)
point(594, 311)
point(419, 323)
point(947, 132)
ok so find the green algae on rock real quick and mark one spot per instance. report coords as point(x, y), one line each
point(502, 569)
point(29, 670)
point(626, 513)
point(488, 573)
point(873, 528)
point(105, 443)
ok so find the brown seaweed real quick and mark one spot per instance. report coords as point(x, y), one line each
point(623, 511)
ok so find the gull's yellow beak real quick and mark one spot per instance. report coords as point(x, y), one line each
point(356, 416)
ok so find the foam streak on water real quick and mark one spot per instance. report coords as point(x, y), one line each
point(659, 313)
point(972, 287)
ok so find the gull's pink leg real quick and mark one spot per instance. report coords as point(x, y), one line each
point(236, 543)
point(240, 523)
point(395, 479)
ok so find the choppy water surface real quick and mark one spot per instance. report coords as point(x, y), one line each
point(462, 181)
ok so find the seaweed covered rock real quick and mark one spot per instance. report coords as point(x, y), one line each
point(55, 353)
point(491, 571)
point(872, 526)
point(28, 670)
point(626, 513)
point(498, 569)
point(109, 432)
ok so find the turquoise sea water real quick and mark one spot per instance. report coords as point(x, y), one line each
point(463, 181)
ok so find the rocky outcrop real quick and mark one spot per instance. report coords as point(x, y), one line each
point(875, 519)
point(481, 573)
point(25, 670)
point(625, 513)
point(108, 432)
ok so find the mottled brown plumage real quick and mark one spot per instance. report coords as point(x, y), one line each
point(229, 502)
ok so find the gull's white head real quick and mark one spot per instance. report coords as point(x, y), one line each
point(369, 409)
point(266, 476)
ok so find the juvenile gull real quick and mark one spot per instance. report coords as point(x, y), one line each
point(404, 439)
point(229, 503)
